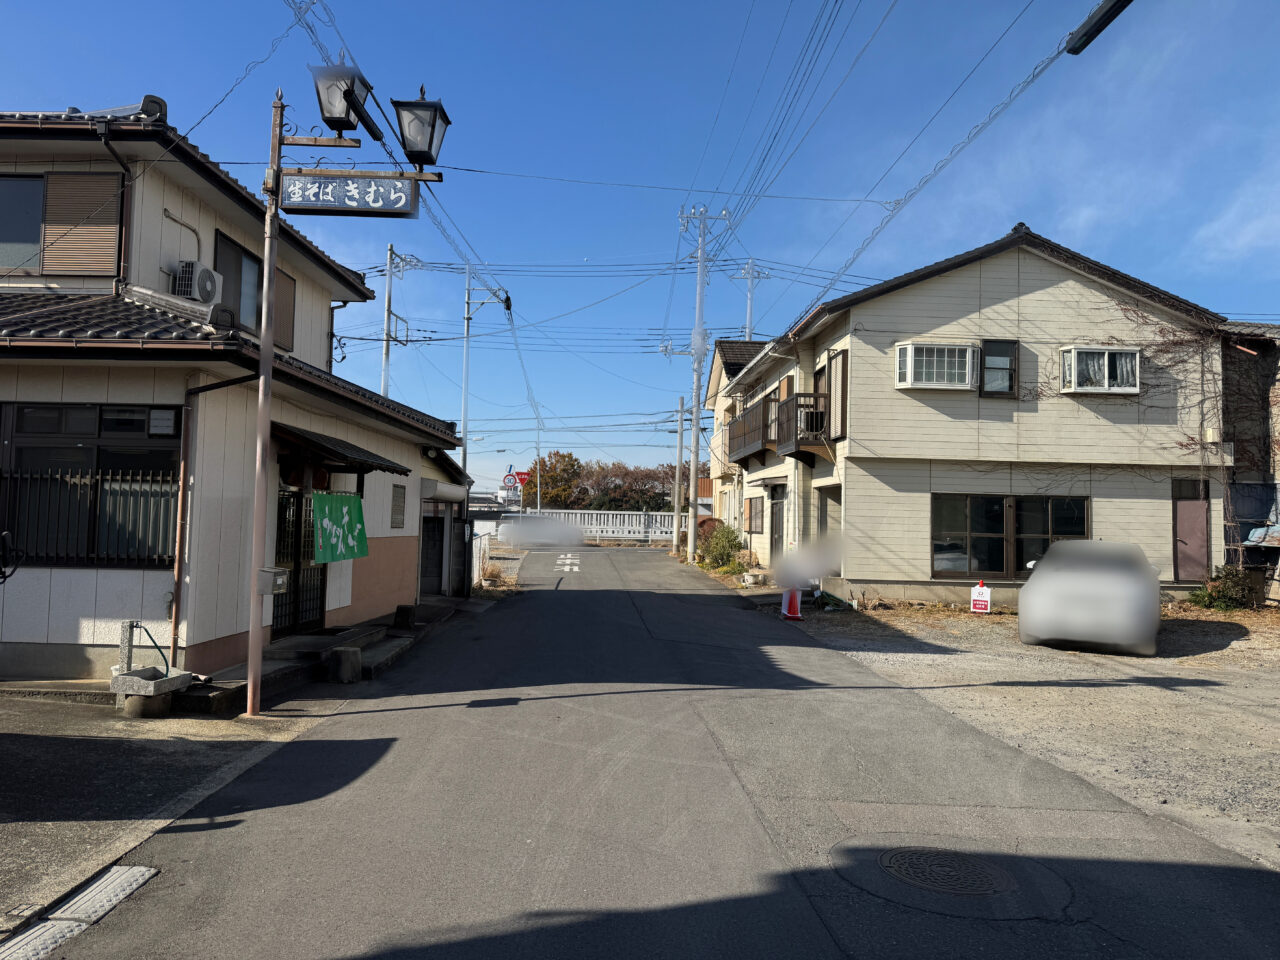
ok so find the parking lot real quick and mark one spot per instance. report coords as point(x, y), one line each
point(1192, 733)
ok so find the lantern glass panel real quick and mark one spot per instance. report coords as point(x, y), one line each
point(330, 83)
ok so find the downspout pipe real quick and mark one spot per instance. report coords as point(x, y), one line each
point(180, 535)
point(104, 131)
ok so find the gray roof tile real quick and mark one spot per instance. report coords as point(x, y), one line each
point(26, 316)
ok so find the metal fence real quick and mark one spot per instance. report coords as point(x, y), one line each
point(479, 555)
point(91, 518)
point(616, 524)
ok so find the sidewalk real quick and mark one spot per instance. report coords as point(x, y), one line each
point(81, 784)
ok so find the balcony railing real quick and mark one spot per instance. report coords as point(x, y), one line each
point(803, 422)
point(754, 431)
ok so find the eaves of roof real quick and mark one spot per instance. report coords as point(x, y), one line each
point(113, 327)
point(1020, 236)
point(1252, 328)
point(84, 127)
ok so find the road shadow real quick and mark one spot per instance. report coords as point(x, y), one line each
point(1189, 637)
point(52, 779)
point(887, 902)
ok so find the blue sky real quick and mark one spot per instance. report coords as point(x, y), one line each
point(1156, 151)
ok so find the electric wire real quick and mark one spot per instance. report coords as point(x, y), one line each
point(128, 181)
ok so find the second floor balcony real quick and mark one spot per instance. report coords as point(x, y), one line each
point(754, 431)
point(804, 427)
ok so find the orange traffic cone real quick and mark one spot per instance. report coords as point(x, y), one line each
point(791, 604)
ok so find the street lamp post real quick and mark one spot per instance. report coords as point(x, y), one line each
point(341, 91)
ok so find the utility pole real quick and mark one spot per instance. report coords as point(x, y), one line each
point(698, 348)
point(751, 275)
point(492, 296)
point(466, 365)
point(259, 589)
point(386, 327)
point(675, 492)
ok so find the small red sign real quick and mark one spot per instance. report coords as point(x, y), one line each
point(981, 606)
point(522, 476)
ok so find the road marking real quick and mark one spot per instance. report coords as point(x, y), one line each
point(567, 563)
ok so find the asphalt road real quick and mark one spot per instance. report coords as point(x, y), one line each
point(626, 761)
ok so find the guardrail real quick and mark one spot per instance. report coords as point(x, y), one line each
point(614, 524)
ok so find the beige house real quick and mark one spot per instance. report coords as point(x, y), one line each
point(130, 286)
point(949, 424)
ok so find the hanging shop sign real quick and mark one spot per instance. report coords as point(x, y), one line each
point(339, 523)
point(360, 193)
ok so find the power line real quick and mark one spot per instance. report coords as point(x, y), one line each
point(127, 181)
point(996, 112)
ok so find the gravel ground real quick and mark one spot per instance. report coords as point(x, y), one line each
point(1192, 734)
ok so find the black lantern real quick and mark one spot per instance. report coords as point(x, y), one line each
point(422, 126)
point(331, 82)
point(342, 91)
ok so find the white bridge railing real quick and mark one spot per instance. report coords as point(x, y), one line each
point(616, 524)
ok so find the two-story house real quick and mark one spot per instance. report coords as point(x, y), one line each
point(949, 424)
point(130, 299)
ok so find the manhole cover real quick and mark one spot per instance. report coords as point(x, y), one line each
point(981, 879)
point(946, 871)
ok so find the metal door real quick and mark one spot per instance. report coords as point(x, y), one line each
point(1191, 540)
point(301, 606)
point(432, 575)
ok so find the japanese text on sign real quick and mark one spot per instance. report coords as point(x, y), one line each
point(365, 196)
point(340, 532)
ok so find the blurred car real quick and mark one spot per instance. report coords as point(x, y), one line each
point(1092, 594)
point(530, 530)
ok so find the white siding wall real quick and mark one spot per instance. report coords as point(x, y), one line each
point(222, 504)
point(1018, 295)
point(55, 605)
point(887, 506)
point(158, 243)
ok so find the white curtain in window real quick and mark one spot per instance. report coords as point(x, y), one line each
point(1124, 369)
point(1091, 368)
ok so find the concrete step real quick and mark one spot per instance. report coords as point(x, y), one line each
point(378, 657)
point(74, 691)
point(313, 647)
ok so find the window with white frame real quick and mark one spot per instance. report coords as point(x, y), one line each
point(936, 366)
point(1100, 369)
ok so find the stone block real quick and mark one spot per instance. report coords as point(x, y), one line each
point(157, 706)
point(149, 682)
point(406, 613)
point(345, 664)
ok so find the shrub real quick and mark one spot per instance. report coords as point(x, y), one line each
point(1230, 589)
point(731, 569)
point(720, 546)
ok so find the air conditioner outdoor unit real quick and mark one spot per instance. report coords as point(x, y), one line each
point(195, 281)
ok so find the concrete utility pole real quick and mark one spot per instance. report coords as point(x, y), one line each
point(751, 275)
point(698, 347)
point(259, 589)
point(675, 492)
point(386, 327)
point(466, 365)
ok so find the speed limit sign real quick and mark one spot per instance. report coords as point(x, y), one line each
point(510, 481)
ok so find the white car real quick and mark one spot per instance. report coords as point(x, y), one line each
point(1092, 594)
